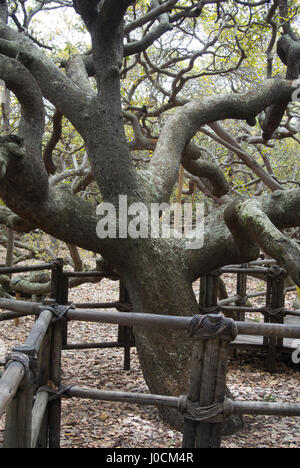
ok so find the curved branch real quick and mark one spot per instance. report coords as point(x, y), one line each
point(82, 184)
point(132, 48)
point(242, 239)
point(225, 139)
point(54, 139)
point(140, 141)
point(273, 116)
point(233, 235)
point(140, 45)
point(156, 11)
point(8, 218)
point(288, 50)
point(24, 86)
point(4, 215)
point(199, 168)
point(76, 70)
point(56, 211)
point(24, 180)
point(272, 23)
point(55, 86)
point(185, 123)
point(271, 240)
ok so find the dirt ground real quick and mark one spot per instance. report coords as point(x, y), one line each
point(88, 424)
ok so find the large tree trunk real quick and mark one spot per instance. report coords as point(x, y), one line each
point(157, 284)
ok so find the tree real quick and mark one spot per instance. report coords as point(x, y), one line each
point(162, 41)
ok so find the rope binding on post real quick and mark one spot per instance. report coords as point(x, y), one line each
point(280, 312)
point(215, 413)
point(55, 393)
point(124, 307)
point(24, 354)
point(18, 357)
point(211, 326)
point(59, 311)
point(276, 272)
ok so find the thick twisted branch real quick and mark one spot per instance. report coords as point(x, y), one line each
point(185, 123)
point(260, 228)
point(55, 86)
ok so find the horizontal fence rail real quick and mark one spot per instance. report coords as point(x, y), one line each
point(125, 397)
point(164, 321)
point(26, 268)
point(22, 307)
point(161, 321)
point(259, 270)
point(104, 345)
point(229, 407)
point(98, 305)
point(177, 323)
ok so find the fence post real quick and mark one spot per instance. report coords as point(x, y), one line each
point(54, 412)
point(208, 294)
point(274, 311)
point(208, 297)
point(59, 292)
point(45, 364)
point(63, 300)
point(17, 433)
point(49, 367)
point(125, 333)
point(43, 378)
point(203, 409)
point(241, 290)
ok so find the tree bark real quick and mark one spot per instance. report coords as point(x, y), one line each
point(158, 282)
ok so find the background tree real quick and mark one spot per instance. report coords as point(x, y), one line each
point(155, 86)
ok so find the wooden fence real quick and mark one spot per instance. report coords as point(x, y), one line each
point(33, 407)
point(273, 310)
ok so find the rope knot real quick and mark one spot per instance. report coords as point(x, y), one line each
point(211, 326)
point(59, 311)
